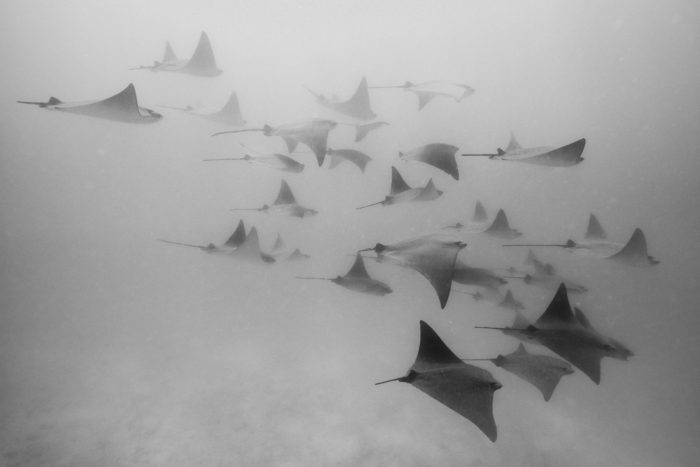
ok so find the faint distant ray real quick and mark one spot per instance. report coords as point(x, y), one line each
point(501, 228)
point(466, 275)
point(279, 250)
point(239, 244)
point(357, 106)
point(401, 192)
point(478, 222)
point(357, 279)
point(545, 275)
point(202, 62)
point(230, 113)
point(506, 301)
point(338, 156)
point(510, 303)
point(433, 258)
point(285, 204)
point(438, 155)
point(561, 331)
point(542, 371)
point(564, 156)
point(595, 243)
point(297, 255)
point(313, 133)
point(466, 389)
point(363, 129)
point(121, 107)
point(429, 90)
point(273, 160)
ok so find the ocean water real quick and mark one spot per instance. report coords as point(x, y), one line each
point(118, 350)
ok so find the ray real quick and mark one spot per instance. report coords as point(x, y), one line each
point(236, 239)
point(542, 371)
point(562, 332)
point(564, 156)
point(438, 155)
point(338, 156)
point(313, 133)
point(510, 303)
point(358, 279)
point(433, 258)
point(249, 250)
point(284, 204)
point(594, 231)
point(121, 107)
point(479, 213)
point(358, 106)
point(634, 253)
point(276, 161)
point(363, 129)
point(429, 90)
point(466, 389)
point(401, 192)
point(501, 228)
point(229, 114)
point(202, 63)
point(466, 275)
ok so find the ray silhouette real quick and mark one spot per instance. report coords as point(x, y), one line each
point(438, 155)
point(500, 227)
point(121, 107)
point(363, 129)
point(338, 156)
point(285, 204)
point(202, 62)
point(313, 133)
point(433, 258)
point(401, 192)
point(466, 275)
point(564, 156)
point(358, 106)
point(562, 332)
point(476, 224)
point(466, 389)
point(542, 371)
point(429, 90)
point(276, 161)
point(357, 279)
point(229, 114)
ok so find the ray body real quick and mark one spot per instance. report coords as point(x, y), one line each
point(202, 62)
point(401, 192)
point(466, 389)
point(466, 275)
point(313, 133)
point(235, 241)
point(285, 204)
point(358, 279)
point(433, 258)
point(338, 156)
point(363, 129)
point(500, 228)
point(121, 107)
point(229, 114)
point(358, 106)
point(562, 332)
point(438, 155)
point(542, 371)
point(564, 156)
point(429, 90)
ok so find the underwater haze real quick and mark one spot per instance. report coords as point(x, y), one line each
point(119, 350)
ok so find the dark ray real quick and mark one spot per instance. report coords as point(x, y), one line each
point(562, 332)
point(466, 389)
point(284, 204)
point(433, 258)
point(481, 277)
point(438, 155)
point(501, 228)
point(564, 156)
point(400, 192)
point(121, 107)
point(358, 106)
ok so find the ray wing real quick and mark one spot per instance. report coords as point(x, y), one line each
point(438, 155)
point(558, 314)
point(358, 270)
point(424, 98)
point(398, 184)
point(202, 62)
point(238, 237)
point(564, 156)
point(358, 106)
point(285, 195)
point(634, 253)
